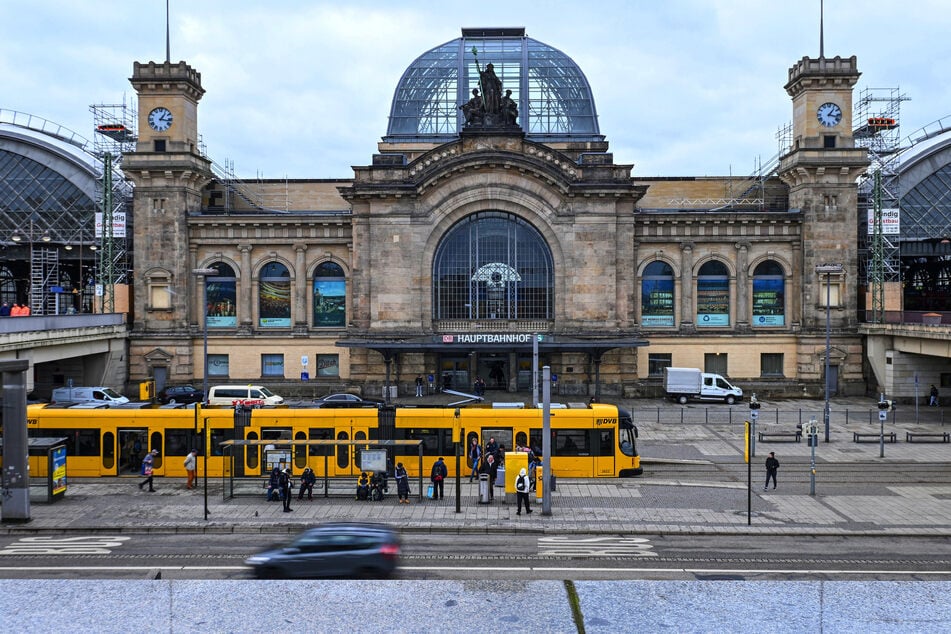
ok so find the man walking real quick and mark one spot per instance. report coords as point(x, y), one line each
point(772, 465)
point(419, 385)
point(933, 402)
point(475, 455)
point(147, 470)
point(191, 468)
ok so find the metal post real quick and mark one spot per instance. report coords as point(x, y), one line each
point(16, 475)
point(535, 369)
point(202, 274)
point(754, 414)
point(546, 441)
point(813, 441)
point(458, 430)
point(825, 411)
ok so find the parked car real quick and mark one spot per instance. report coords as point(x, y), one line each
point(346, 400)
point(334, 549)
point(181, 394)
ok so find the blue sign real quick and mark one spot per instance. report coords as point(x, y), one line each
point(304, 376)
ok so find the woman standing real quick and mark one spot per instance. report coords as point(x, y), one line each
point(402, 484)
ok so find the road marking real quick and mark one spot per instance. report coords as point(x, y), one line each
point(89, 545)
point(569, 546)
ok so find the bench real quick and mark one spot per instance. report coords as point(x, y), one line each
point(858, 437)
point(780, 436)
point(938, 437)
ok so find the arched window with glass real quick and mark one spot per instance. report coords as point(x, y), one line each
point(769, 295)
point(493, 265)
point(657, 295)
point(274, 296)
point(713, 295)
point(221, 311)
point(330, 296)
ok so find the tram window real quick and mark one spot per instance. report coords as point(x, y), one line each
point(87, 442)
point(178, 442)
point(320, 434)
point(252, 452)
point(520, 439)
point(436, 442)
point(605, 442)
point(218, 436)
point(571, 442)
point(627, 442)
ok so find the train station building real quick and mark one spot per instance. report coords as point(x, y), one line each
point(493, 220)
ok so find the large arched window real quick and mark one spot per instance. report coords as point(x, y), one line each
point(713, 295)
point(221, 311)
point(274, 296)
point(769, 294)
point(330, 296)
point(657, 295)
point(493, 265)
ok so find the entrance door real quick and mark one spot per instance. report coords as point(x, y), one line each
point(133, 443)
point(494, 369)
point(833, 380)
point(160, 374)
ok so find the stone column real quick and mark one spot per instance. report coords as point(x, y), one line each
point(686, 285)
point(245, 280)
point(742, 285)
point(300, 285)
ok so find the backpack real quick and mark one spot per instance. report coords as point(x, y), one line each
point(521, 485)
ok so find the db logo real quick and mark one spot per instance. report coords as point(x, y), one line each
point(447, 338)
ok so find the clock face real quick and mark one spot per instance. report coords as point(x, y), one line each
point(829, 114)
point(160, 119)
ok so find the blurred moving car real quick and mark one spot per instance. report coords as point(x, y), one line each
point(334, 549)
point(181, 394)
point(346, 400)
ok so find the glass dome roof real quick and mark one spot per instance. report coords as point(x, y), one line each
point(553, 95)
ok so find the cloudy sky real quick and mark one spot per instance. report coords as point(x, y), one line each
point(302, 88)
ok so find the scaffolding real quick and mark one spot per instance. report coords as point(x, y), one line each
point(115, 134)
point(876, 127)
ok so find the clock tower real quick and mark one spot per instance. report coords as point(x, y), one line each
point(169, 173)
point(821, 170)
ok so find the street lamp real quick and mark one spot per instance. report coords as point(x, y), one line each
point(812, 433)
point(829, 270)
point(754, 414)
point(203, 274)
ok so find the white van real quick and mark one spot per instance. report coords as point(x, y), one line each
point(229, 394)
point(100, 395)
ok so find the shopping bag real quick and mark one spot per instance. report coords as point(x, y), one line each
point(430, 491)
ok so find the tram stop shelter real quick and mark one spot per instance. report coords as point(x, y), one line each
point(280, 453)
point(47, 458)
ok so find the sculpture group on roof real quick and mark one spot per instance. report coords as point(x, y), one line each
point(490, 108)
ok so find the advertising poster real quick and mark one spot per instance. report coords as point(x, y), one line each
point(275, 304)
point(59, 470)
point(221, 311)
point(657, 302)
point(768, 302)
point(713, 302)
point(330, 303)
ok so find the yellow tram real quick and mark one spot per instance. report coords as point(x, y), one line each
point(596, 440)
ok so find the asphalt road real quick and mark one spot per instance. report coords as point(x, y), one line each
point(501, 557)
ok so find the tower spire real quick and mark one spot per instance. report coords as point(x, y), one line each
point(821, 33)
point(168, 42)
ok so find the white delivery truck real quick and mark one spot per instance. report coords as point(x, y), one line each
point(100, 395)
point(684, 384)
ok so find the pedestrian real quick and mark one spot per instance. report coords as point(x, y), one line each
point(772, 465)
point(491, 468)
point(363, 487)
point(521, 491)
point(15, 311)
point(191, 468)
point(934, 396)
point(475, 455)
point(438, 477)
point(5, 310)
point(286, 483)
point(492, 448)
point(307, 481)
point(402, 483)
point(419, 385)
point(274, 485)
point(147, 463)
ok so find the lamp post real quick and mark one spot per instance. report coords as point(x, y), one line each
point(203, 275)
point(829, 270)
point(812, 431)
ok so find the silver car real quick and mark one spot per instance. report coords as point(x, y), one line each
point(336, 549)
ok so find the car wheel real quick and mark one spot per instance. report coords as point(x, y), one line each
point(730, 400)
point(269, 572)
point(682, 400)
point(171, 401)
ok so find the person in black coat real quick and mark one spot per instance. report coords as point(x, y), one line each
point(772, 466)
point(307, 481)
point(285, 481)
point(438, 477)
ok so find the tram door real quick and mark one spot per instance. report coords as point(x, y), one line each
point(133, 445)
point(347, 459)
point(502, 435)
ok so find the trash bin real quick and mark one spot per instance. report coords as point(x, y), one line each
point(484, 488)
point(500, 478)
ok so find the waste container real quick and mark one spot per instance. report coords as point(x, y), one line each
point(500, 478)
point(484, 488)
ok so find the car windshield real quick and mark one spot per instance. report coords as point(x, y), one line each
point(266, 392)
point(111, 393)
